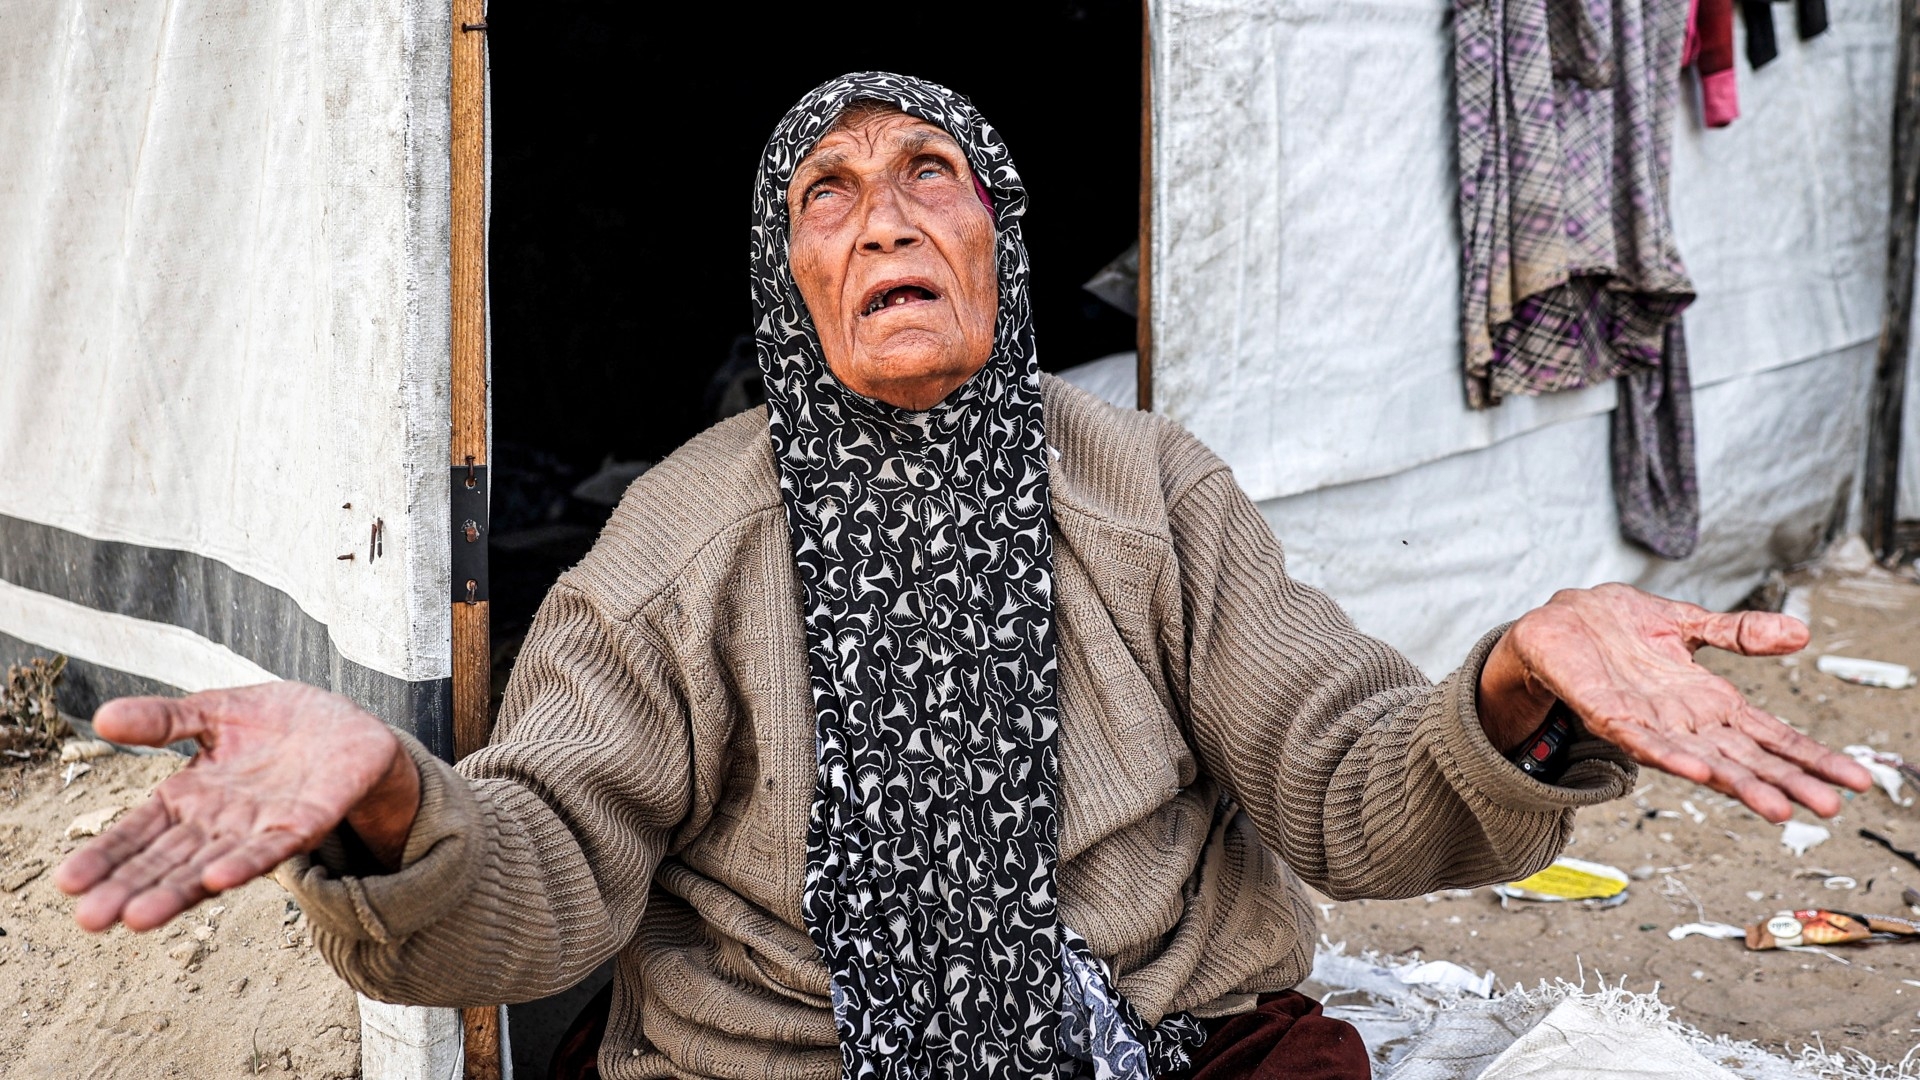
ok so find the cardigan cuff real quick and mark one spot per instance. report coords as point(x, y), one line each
point(348, 897)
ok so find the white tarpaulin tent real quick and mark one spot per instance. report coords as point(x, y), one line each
point(224, 360)
point(224, 346)
point(1305, 297)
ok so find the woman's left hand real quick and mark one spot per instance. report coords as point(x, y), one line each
point(1622, 660)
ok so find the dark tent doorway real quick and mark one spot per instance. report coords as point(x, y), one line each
point(623, 148)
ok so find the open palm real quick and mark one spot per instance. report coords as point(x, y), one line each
point(281, 765)
point(1622, 660)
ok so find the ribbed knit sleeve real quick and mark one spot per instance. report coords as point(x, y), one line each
point(1368, 780)
point(530, 863)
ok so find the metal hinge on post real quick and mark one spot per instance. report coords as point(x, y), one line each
point(468, 484)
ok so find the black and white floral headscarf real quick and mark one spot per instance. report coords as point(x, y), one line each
point(924, 544)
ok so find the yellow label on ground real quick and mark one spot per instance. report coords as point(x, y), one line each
point(1573, 879)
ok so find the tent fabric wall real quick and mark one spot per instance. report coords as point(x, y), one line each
point(223, 346)
point(1306, 289)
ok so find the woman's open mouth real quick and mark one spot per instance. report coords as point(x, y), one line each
point(893, 296)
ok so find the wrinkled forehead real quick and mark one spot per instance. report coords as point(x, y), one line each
point(864, 133)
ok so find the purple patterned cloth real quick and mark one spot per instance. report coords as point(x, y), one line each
point(1570, 275)
point(1653, 479)
point(1565, 132)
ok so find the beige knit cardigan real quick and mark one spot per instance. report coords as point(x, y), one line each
point(1225, 728)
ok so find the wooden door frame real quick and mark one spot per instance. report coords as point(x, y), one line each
point(472, 653)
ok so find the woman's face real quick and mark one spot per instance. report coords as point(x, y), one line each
point(893, 253)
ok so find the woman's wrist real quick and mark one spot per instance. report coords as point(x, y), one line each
point(383, 818)
point(1512, 704)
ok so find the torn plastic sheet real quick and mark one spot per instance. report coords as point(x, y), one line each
point(1799, 836)
point(1554, 1031)
point(1885, 770)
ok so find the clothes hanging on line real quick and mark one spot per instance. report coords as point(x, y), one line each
point(1571, 275)
point(1564, 129)
point(1810, 21)
point(1709, 51)
point(1654, 485)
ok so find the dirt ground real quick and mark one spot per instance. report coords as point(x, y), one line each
point(233, 988)
point(1728, 866)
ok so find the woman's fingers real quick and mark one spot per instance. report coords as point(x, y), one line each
point(257, 856)
point(102, 856)
point(1650, 747)
point(175, 892)
point(102, 905)
point(149, 721)
point(1787, 780)
point(1777, 738)
point(1749, 633)
point(1735, 778)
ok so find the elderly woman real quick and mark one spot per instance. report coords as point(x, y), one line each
point(940, 720)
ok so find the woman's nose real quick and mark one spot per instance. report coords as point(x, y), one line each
point(886, 227)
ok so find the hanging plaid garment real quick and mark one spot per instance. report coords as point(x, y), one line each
point(924, 544)
point(1565, 131)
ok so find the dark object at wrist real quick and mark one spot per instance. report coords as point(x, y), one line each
point(1543, 755)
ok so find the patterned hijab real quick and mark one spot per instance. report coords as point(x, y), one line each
point(924, 545)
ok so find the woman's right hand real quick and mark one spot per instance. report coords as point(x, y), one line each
point(281, 765)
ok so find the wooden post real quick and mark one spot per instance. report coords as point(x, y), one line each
point(1884, 416)
point(472, 654)
point(1143, 334)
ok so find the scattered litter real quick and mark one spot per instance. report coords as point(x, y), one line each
point(1807, 927)
point(1447, 975)
point(75, 771)
point(1756, 895)
point(1911, 897)
point(1641, 872)
point(1840, 881)
point(1719, 930)
point(1867, 672)
point(23, 755)
point(1885, 768)
point(1798, 605)
point(1697, 816)
point(93, 822)
point(1674, 889)
point(1799, 836)
point(1568, 879)
point(1869, 834)
point(1810, 872)
point(1818, 926)
point(84, 749)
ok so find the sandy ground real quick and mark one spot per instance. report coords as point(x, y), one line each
point(1729, 866)
point(233, 988)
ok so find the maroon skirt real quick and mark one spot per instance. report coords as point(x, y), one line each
point(1286, 1038)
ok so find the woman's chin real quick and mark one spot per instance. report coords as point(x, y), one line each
point(912, 375)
